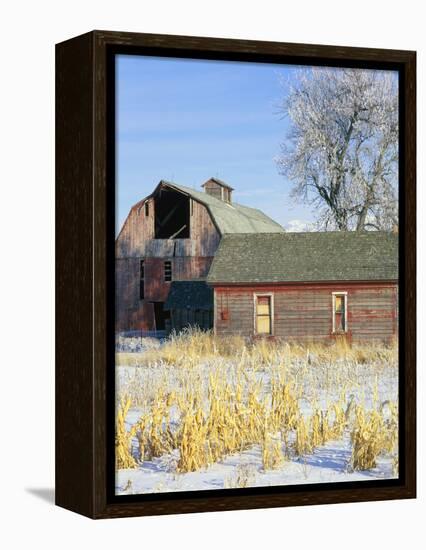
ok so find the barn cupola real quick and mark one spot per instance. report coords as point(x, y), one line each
point(219, 189)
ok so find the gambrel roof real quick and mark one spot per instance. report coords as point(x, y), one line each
point(230, 218)
point(305, 257)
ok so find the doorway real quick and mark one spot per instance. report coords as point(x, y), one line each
point(161, 316)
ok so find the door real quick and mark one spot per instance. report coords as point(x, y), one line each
point(160, 316)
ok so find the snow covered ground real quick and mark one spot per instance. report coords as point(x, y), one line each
point(328, 463)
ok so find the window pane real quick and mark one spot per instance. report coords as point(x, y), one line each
point(264, 325)
point(263, 310)
point(167, 271)
point(343, 320)
point(263, 305)
point(339, 312)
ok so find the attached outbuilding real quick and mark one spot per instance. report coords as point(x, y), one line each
point(306, 286)
point(189, 303)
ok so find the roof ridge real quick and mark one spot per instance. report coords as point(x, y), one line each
point(228, 218)
point(221, 212)
point(291, 233)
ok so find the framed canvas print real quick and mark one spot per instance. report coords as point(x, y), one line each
point(235, 275)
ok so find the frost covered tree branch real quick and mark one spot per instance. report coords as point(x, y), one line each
point(341, 152)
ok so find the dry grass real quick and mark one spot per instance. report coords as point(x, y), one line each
point(208, 397)
point(185, 348)
point(303, 443)
point(374, 434)
point(123, 438)
point(191, 345)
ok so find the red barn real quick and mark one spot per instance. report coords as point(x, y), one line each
point(164, 252)
point(307, 286)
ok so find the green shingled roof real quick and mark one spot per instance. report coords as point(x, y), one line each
point(189, 295)
point(231, 218)
point(305, 257)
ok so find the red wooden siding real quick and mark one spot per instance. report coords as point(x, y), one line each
point(304, 312)
point(136, 239)
point(191, 259)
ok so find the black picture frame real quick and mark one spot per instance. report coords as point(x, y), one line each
point(85, 236)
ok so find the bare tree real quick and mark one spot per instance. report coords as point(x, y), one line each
point(341, 152)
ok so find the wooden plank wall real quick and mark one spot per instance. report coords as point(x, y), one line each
point(204, 233)
point(305, 312)
point(133, 313)
point(137, 230)
point(191, 260)
point(181, 318)
point(136, 238)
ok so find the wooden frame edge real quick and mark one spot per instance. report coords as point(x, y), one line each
point(81, 457)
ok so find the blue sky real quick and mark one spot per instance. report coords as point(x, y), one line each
point(187, 120)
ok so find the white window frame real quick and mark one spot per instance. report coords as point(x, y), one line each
point(333, 310)
point(257, 295)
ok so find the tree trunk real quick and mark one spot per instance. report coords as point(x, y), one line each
point(362, 218)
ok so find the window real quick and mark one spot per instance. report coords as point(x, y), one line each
point(168, 270)
point(141, 280)
point(215, 191)
point(340, 309)
point(171, 211)
point(263, 317)
point(147, 208)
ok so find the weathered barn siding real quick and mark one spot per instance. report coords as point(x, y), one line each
point(135, 314)
point(182, 318)
point(136, 239)
point(137, 231)
point(304, 312)
point(190, 303)
point(219, 189)
point(190, 259)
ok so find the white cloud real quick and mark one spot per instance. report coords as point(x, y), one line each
point(297, 226)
